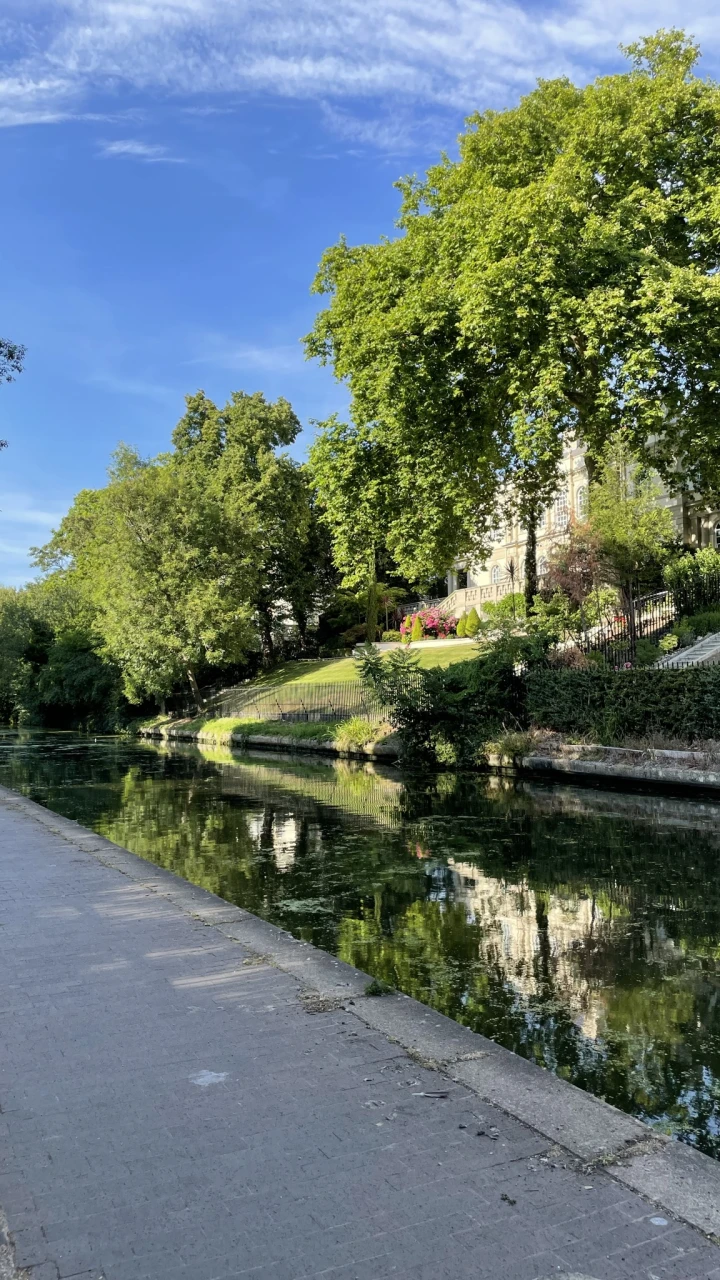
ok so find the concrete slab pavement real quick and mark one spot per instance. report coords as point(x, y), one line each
point(188, 1093)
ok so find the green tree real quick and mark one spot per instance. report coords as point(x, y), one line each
point(235, 454)
point(351, 471)
point(632, 536)
point(187, 558)
point(16, 638)
point(557, 282)
point(417, 632)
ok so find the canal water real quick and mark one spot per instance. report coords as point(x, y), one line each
point(579, 928)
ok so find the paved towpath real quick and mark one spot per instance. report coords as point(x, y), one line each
point(172, 1109)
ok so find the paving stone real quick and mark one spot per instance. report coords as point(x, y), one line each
point(303, 1153)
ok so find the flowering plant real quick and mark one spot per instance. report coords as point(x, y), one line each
point(433, 622)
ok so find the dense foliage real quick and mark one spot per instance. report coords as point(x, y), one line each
point(559, 281)
point(194, 560)
point(609, 706)
point(446, 713)
point(50, 669)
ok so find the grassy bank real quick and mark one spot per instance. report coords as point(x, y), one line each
point(340, 670)
point(341, 734)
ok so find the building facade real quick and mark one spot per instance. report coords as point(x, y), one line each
point(504, 570)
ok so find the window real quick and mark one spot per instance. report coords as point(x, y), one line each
point(581, 502)
point(716, 536)
point(496, 534)
point(495, 574)
point(561, 511)
point(542, 567)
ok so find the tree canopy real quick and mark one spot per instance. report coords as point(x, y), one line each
point(558, 280)
point(184, 558)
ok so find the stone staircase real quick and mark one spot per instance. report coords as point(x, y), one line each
point(703, 654)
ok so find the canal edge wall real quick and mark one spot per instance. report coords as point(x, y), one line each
point(580, 1129)
point(659, 776)
point(275, 742)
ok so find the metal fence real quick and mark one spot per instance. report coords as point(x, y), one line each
point(648, 618)
point(338, 701)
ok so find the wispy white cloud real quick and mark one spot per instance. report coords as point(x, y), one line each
point(458, 54)
point(225, 353)
point(23, 523)
point(130, 148)
point(119, 384)
point(19, 509)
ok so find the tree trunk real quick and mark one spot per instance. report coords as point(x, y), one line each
point(195, 688)
point(531, 577)
point(266, 636)
point(371, 617)
point(301, 623)
point(591, 468)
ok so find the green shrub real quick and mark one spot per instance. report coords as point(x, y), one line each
point(472, 623)
point(668, 644)
point(391, 637)
point(690, 629)
point(461, 623)
point(694, 567)
point(613, 705)
point(646, 653)
point(511, 608)
point(417, 631)
point(446, 714)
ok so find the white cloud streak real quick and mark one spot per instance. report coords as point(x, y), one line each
point(131, 149)
point(460, 54)
point(20, 509)
point(223, 353)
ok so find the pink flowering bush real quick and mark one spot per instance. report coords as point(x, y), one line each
point(434, 623)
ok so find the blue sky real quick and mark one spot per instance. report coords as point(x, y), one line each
point(173, 170)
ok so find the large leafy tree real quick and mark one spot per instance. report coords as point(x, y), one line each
point(235, 455)
point(560, 279)
point(352, 472)
point(187, 557)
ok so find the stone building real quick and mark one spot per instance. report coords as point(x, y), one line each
point(504, 570)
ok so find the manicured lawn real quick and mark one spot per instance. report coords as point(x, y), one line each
point(322, 671)
point(338, 670)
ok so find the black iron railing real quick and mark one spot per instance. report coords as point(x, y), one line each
point(647, 618)
point(302, 701)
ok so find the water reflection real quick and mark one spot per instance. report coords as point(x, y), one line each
point(580, 928)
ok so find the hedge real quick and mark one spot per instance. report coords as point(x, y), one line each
point(613, 705)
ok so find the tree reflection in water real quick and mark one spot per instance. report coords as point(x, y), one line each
point(579, 928)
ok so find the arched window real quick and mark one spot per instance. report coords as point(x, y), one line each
point(561, 511)
point(495, 574)
point(581, 502)
point(716, 536)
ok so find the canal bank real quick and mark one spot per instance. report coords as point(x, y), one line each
point(584, 764)
point(188, 1088)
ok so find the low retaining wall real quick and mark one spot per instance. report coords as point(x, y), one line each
point(275, 742)
point(661, 769)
